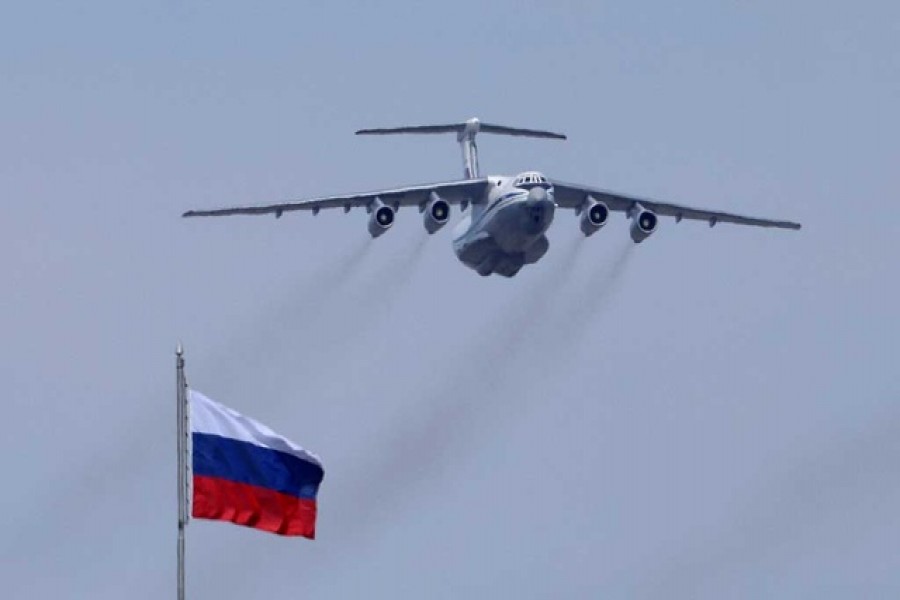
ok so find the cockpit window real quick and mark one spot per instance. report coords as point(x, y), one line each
point(530, 180)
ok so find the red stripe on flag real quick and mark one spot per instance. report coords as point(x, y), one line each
point(253, 506)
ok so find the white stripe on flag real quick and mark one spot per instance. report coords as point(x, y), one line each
point(208, 416)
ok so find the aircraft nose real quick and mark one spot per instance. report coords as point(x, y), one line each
point(539, 210)
point(537, 194)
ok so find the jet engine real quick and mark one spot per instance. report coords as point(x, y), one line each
point(643, 223)
point(436, 213)
point(594, 215)
point(381, 217)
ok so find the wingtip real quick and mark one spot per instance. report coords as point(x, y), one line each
point(553, 135)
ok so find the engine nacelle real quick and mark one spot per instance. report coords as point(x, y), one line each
point(643, 223)
point(381, 217)
point(436, 213)
point(594, 215)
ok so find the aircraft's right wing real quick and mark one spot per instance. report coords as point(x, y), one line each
point(454, 192)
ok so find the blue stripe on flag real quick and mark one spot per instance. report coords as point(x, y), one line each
point(243, 462)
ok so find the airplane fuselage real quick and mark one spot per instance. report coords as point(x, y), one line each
point(506, 229)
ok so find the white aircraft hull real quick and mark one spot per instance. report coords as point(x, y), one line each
point(506, 233)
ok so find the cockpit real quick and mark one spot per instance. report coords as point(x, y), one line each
point(531, 179)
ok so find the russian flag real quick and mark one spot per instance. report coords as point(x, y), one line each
point(246, 473)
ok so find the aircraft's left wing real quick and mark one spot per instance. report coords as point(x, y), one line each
point(454, 192)
point(573, 196)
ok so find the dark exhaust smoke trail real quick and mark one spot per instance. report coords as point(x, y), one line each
point(604, 280)
point(420, 446)
point(335, 307)
point(364, 304)
point(291, 314)
point(335, 315)
point(448, 415)
point(524, 323)
point(307, 294)
point(451, 415)
point(243, 345)
point(316, 292)
point(452, 411)
point(371, 302)
point(310, 299)
point(380, 290)
point(592, 298)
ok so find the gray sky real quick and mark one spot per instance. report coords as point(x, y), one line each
point(710, 414)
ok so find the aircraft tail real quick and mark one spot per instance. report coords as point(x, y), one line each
point(465, 135)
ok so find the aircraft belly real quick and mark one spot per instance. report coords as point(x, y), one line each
point(509, 264)
point(515, 228)
point(505, 240)
point(474, 249)
point(537, 250)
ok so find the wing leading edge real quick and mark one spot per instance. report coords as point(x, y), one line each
point(573, 196)
point(454, 192)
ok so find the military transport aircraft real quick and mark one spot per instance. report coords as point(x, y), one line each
point(504, 218)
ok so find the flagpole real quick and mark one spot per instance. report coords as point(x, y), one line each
point(181, 396)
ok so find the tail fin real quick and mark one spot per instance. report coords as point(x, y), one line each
point(465, 135)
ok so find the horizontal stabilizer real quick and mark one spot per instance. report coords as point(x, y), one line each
point(535, 133)
point(413, 129)
point(471, 127)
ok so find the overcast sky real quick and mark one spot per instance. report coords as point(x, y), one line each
point(711, 414)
